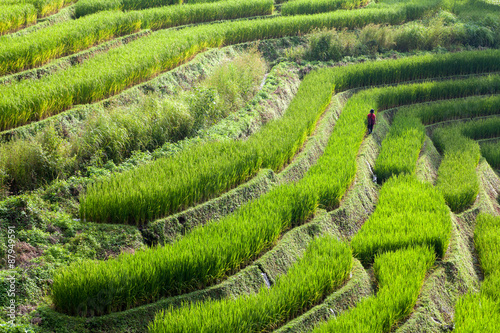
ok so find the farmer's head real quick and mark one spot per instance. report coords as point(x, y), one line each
point(372, 111)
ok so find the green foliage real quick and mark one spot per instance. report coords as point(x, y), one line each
point(203, 256)
point(401, 148)
point(491, 151)
point(400, 276)
point(204, 171)
point(323, 268)
point(298, 7)
point(109, 73)
point(457, 177)
point(409, 213)
point(72, 36)
point(471, 107)
point(15, 16)
point(482, 312)
point(114, 134)
point(276, 143)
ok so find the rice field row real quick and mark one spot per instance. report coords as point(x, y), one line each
point(407, 135)
point(138, 196)
point(480, 312)
point(400, 275)
point(110, 73)
point(16, 14)
point(17, 53)
point(298, 7)
point(325, 265)
point(207, 253)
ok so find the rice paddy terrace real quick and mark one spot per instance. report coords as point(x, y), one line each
point(205, 166)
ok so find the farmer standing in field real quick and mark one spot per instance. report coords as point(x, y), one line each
point(371, 121)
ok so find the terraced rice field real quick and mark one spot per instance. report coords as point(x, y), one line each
point(205, 166)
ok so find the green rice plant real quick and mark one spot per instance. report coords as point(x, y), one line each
point(77, 287)
point(123, 198)
point(205, 255)
point(457, 177)
point(205, 171)
point(477, 313)
point(481, 128)
point(491, 151)
point(13, 17)
point(487, 242)
point(323, 268)
point(400, 276)
point(481, 312)
point(401, 148)
point(16, 53)
point(299, 7)
point(471, 107)
point(409, 213)
point(110, 73)
point(87, 7)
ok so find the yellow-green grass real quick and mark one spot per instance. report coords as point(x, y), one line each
point(15, 16)
point(409, 213)
point(298, 7)
point(110, 73)
point(38, 48)
point(481, 312)
point(77, 286)
point(401, 148)
point(400, 276)
point(457, 178)
point(491, 151)
point(144, 193)
point(325, 265)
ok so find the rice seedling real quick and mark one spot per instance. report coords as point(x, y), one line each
point(491, 151)
point(17, 54)
point(472, 107)
point(299, 7)
point(481, 312)
point(205, 255)
point(400, 275)
point(409, 213)
point(323, 268)
point(205, 171)
point(15, 16)
point(173, 185)
point(457, 177)
point(110, 73)
point(401, 148)
point(324, 184)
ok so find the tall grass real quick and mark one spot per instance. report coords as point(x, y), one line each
point(205, 255)
point(401, 148)
point(491, 151)
point(409, 213)
point(200, 173)
point(457, 177)
point(471, 107)
point(299, 7)
point(13, 17)
point(69, 37)
point(400, 276)
point(324, 267)
point(110, 73)
point(76, 287)
point(481, 313)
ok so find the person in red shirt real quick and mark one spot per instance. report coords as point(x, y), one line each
point(371, 121)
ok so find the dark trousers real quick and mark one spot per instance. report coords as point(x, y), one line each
point(370, 129)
